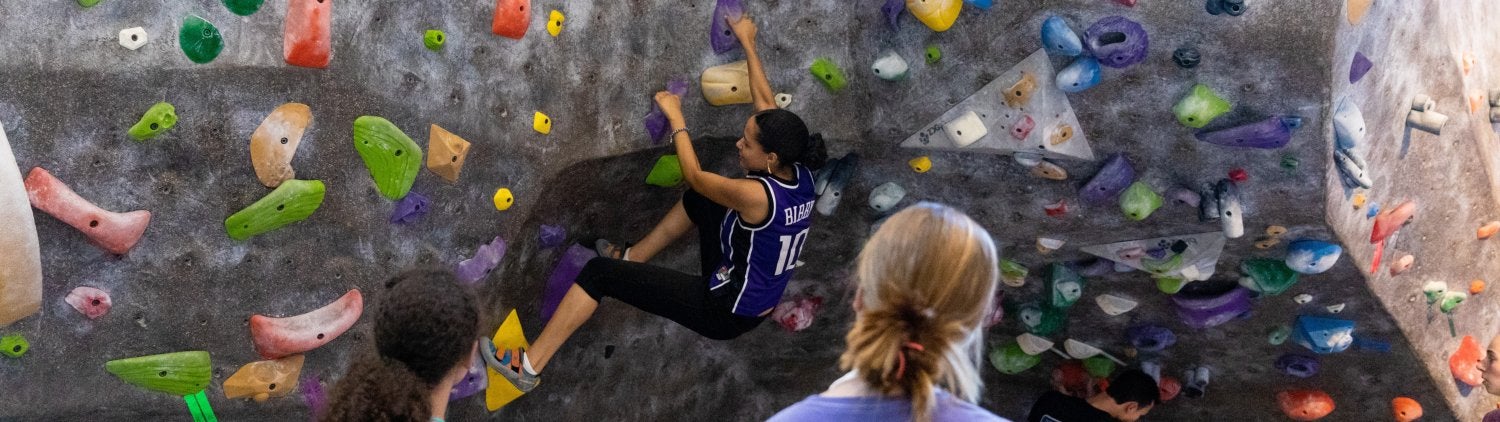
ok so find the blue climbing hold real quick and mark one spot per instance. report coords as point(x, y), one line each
point(1374, 209)
point(982, 4)
point(1324, 335)
point(1082, 74)
point(1309, 256)
point(1059, 39)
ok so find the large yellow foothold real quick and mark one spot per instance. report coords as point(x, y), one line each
point(500, 392)
point(727, 84)
point(541, 123)
point(503, 199)
point(554, 22)
point(262, 380)
point(936, 14)
point(920, 164)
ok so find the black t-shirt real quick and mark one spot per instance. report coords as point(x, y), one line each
point(1058, 407)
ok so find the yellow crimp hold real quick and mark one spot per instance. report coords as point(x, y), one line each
point(554, 22)
point(920, 164)
point(541, 123)
point(1359, 200)
point(503, 199)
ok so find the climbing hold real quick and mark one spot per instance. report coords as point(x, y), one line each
point(982, 4)
point(1348, 124)
point(541, 123)
point(20, 254)
point(200, 40)
point(924, 163)
point(829, 74)
point(1186, 57)
point(503, 199)
point(1116, 174)
point(291, 202)
point(1289, 163)
point(1373, 211)
point(88, 3)
point(1476, 287)
point(938, 15)
point(569, 265)
point(1010, 359)
point(1099, 366)
point(1467, 62)
point(656, 122)
point(1116, 41)
point(1238, 175)
point(1046, 245)
point(1199, 107)
point(796, 314)
point(392, 158)
point(180, 373)
point(1205, 309)
point(1041, 319)
point(433, 39)
point(1406, 409)
point(275, 338)
point(1060, 133)
point(410, 209)
point(555, 20)
point(477, 378)
point(445, 153)
point(783, 100)
point(1451, 300)
point(933, 54)
point(1057, 209)
point(1060, 40)
point(1231, 213)
point(1427, 120)
point(275, 142)
point(307, 37)
point(885, 197)
point(1139, 201)
point(1278, 335)
point(1012, 273)
point(1302, 299)
point(14, 345)
point(831, 181)
point(1467, 363)
point(1184, 196)
point(1304, 405)
point(1323, 335)
point(1150, 338)
point(1312, 256)
point(890, 66)
point(485, 259)
point(727, 84)
point(892, 10)
point(666, 173)
point(1033, 345)
point(1335, 308)
point(1487, 230)
point(1046, 170)
point(511, 18)
point(1168, 386)
point(159, 118)
point(1082, 74)
point(1020, 93)
point(1352, 171)
point(1355, 10)
point(1275, 231)
point(1271, 133)
point(1022, 127)
point(262, 380)
point(1391, 220)
point(720, 36)
point(1114, 305)
point(1065, 286)
point(1359, 67)
point(243, 7)
point(966, 129)
point(550, 236)
point(91, 302)
point(1195, 381)
point(1298, 365)
point(1081, 350)
point(133, 38)
point(114, 232)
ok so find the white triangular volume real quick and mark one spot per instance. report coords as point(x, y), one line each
point(1198, 260)
point(1021, 111)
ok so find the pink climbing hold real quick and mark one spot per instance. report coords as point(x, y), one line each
point(567, 270)
point(1239, 175)
point(797, 314)
point(1023, 127)
point(92, 303)
point(1057, 209)
point(114, 232)
point(276, 338)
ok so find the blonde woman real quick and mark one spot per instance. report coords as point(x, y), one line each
point(926, 280)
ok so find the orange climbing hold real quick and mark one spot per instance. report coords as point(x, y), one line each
point(1355, 9)
point(1358, 201)
point(1305, 405)
point(1476, 287)
point(1402, 264)
point(1465, 362)
point(1405, 409)
point(1487, 230)
point(307, 38)
point(511, 18)
point(262, 380)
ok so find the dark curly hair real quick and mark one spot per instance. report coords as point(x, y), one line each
point(783, 133)
point(425, 326)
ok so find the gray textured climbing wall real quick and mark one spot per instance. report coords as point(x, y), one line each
point(68, 93)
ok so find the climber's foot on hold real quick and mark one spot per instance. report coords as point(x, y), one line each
point(510, 364)
point(610, 250)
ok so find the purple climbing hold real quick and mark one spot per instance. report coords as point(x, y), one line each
point(1184, 196)
point(1493, 416)
point(1300, 366)
point(1359, 67)
point(892, 10)
point(1150, 337)
point(470, 271)
point(1116, 41)
point(313, 395)
point(721, 36)
point(552, 236)
point(656, 121)
point(477, 379)
point(1111, 179)
point(1204, 309)
point(563, 275)
point(1271, 133)
point(410, 209)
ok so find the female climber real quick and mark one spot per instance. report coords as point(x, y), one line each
point(751, 231)
point(424, 340)
point(925, 283)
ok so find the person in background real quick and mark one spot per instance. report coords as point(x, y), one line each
point(1129, 397)
point(926, 280)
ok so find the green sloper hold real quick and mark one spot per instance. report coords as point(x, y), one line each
point(433, 39)
point(1013, 271)
point(200, 40)
point(1169, 285)
point(243, 7)
point(1199, 107)
point(1066, 286)
point(291, 202)
point(1010, 359)
point(829, 74)
point(1162, 266)
point(667, 172)
point(180, 373)
point(1269, 277)
point(1099, 366)
point(1139, 201)
point(159, 118)
point(14, 345)
point(391, 156)
point(88, 3)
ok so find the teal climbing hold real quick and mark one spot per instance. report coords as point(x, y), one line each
point(433, 39)
point(1139, 201)
point(1066, 286)
point(243, 7)
point(200, 40)
point(1268, 277)
point(14, 345)
point(667, 172)
point(1041, 319)
point(829, 74)
point(180, 373)
point(291, 202)
point(392, 158)
point(1199, 107)
point(159, 118)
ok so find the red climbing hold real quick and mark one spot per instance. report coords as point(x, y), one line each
point(1130, 3)
point(511, 18)
point(1391, 220)
point(797, 314)
point(276, 338)
point(1057, 210)
point(1465, 363)
point(1305, 405)
point(306, 37)
point(1239, 175)
point(112, 231)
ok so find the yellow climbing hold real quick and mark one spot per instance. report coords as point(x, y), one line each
point(554, 22)
point(541, 123)
point(936, 14)
point(1359, 200)
point(920, 164)
point(503, 199)
point(1356, 9)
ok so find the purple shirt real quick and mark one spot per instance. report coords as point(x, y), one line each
point(816, 408)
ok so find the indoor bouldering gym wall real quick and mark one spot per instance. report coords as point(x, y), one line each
point(1280, 208)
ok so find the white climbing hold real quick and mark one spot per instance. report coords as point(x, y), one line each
point(966, 129)
point(1335, 308)
point(1027, 159)
point(133, 38)
point(1302, 299)
point(783, 100)
point(890, 66)
point(1032, 344)
point(1114, 305)
point(885, 197)
point(1047, 245)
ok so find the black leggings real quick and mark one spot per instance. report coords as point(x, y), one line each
point(680, 297)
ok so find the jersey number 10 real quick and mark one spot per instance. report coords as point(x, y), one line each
point(791, 248)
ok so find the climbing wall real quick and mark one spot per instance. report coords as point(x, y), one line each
point(70, 94)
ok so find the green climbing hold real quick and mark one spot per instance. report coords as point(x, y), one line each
point(199, 40)
point(1013, 273)
point(88, 3)
point(1268, 277)
point(1139, 201)
point(243, 7)
point(291, 202)
point(1099, 366)
point(934, 54)
point(1010, 359)
point(667, 172)
point(1199, 107)
point(180, 373)
point(392, 157)
point(1163, 266)
point(829, 74)
point(14, 345)
point(1169, 284)
point(1451, 301)
point(434, 39)
point(1289, 163)
point(1041, 319)
point(1065, 285)
point(159, 118)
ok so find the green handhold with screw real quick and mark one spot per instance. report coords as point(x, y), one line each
point(243, 7)
point(159, 118)
point(1199, 107)
point(433, 39)
point(829, 74)
point(934, 54)
point(291, 202)
point(392, 157)
point(1139, 201)
point(14, 345)
point(666, 173)
point(200, 40)
point(180, 373)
